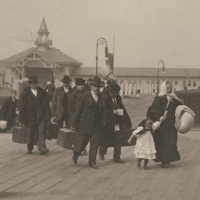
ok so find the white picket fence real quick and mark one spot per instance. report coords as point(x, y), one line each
point(131, 89)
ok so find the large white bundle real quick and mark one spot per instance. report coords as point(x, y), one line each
point(184, 119)
point(3, 124)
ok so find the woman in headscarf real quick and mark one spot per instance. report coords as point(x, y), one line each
point(165, 137)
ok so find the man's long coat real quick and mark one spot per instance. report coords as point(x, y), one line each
point(27, 115)
point(83, 117)
point(125, 122)
point(57, 107)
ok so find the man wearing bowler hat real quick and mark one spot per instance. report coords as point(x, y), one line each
point(60, 103)
point(80, 84)
point(89, 119)
point(117, 120)
point(35, 113)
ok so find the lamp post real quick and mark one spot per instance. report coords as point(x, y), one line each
point(163, 65)
point(101, 41)
point(187, 75)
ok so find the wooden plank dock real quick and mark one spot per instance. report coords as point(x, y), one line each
point(56, 177)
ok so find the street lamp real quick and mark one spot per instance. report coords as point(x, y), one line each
point(101, 41)
point(163, 65)
point(186, 74)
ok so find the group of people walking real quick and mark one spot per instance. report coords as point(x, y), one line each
point(100, 117)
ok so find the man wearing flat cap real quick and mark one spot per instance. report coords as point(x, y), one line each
point(117, 120)
point(89, 119)
point(8, 110)
point(60, 103)
point(35, 113)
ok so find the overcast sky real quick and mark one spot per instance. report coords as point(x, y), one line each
point(145, 30)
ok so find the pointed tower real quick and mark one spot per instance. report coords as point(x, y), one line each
point(42, 40)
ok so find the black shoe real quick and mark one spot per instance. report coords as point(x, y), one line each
point(119, 161)
point(29, 152)
point(139, 162)
point(168, 163)
point(44, 151)
point(164, 165)
point(93, 165)
point(75, 158)
point(147, 168)
point(85, 152)
point(101, 157)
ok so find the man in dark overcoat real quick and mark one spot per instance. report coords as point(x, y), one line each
point(35, 113)
point(80, 84)
point(105, 89)
point(8, 110)
point(60, 103)
point(117, 120)
point(89, 118)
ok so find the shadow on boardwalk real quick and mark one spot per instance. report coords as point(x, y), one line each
point(54, 176)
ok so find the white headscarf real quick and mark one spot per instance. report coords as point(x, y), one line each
point(163, 91)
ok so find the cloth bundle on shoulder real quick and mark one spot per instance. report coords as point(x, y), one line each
point(184, 119)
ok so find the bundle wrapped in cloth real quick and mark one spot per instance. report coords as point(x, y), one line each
point(184, 119)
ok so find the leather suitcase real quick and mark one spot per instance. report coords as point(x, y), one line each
point(21, 135)
point(70, 140)
point(53, 131)
point(125, 136)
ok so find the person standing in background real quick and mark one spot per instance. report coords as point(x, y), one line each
point(8, 110)
point(50, 88)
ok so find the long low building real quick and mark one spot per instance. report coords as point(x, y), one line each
point(146, 79)
point(49, 63)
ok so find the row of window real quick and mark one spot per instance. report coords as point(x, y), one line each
point(189, 83)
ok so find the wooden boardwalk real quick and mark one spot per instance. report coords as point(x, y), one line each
point(55, 177)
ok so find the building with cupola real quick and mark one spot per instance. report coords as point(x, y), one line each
point(43, 60)
point(49, 63)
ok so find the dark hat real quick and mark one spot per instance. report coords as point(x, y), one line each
point(66, 79)
point(33, 79)
point(110, 81)
point(96, 81)
point(102, 84)
point(79, 81)
point(114, 88)
point(13, 91)
point(89, 80)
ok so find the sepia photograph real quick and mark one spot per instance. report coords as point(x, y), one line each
point(99, 100)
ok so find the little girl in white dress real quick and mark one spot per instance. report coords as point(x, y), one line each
point(145, 147)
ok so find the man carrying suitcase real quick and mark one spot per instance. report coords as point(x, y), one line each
point(35, 113)
point(89, 119)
